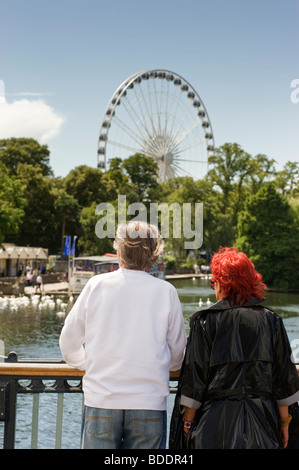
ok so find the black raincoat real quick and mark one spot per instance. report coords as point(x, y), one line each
point(237, 365)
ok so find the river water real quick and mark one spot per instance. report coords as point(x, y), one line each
point(32, 331)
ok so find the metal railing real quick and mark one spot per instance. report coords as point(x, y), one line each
point(37, 372)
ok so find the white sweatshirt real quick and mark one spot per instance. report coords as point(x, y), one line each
point(126, 330)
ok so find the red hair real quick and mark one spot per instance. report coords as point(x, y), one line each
point(237, 276)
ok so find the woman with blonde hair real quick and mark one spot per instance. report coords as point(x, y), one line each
point(126, 330)
point(237, 379)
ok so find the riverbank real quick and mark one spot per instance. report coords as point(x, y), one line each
point(187, 276)
point(63, 287)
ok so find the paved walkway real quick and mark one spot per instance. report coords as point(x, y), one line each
point(48, 288)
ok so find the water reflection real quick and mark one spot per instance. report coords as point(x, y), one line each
point(32, 331)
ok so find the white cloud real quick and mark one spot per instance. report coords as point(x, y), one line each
point(30, 93)
point(2, 92)
point(29, 118)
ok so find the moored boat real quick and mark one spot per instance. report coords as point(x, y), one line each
point(85, 267)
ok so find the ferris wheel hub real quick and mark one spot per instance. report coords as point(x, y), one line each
point(167, 158)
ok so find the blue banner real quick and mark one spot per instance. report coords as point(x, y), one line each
point(67, 244)
point(74, 246)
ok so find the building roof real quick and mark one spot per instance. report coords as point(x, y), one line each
point(11, 251)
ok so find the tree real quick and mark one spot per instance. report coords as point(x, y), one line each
point(231, 167)
point(263, 170)
point(89, 243)
point(185, 190)
point(287, 180)
point(269, 235)
point(85, 184)
point(11, 204)
point(237, 175)
point(14, 152)
point(38, 227)
point(117, 182)
point(143, 174)
point(67, 212)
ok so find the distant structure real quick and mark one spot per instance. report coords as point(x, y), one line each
point(159, 114)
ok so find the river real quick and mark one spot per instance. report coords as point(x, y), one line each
point(33, 332)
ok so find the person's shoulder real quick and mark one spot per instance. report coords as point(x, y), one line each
point(163, 285)
point(161, 282)
point(99, 278)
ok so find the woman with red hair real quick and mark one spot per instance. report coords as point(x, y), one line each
point(237, 380)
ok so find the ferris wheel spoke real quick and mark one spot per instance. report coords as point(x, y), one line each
point(178, 135)
point(174, 113)
point(181, 170)
point(180, 138)
point(163, 105)
point(159, 108)
point(130, 132)
point(138, 124)
point(152, 110)
point(188, 147)
point(126, 147)
point(188, 161)
point(147, 114)
point(142, 107)
point(156, 107)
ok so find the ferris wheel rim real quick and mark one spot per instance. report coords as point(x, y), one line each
point(120, 92)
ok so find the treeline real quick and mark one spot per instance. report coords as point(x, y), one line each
point(246, 202)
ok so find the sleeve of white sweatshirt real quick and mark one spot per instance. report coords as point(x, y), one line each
point(72, 337)
point(176, 337)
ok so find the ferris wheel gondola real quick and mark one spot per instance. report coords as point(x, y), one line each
point(159, 114)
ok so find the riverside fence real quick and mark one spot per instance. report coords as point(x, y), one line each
point(43, 376)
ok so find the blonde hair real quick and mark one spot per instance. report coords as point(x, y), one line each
point(139, 245)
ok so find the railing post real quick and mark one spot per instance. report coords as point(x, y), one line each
point(59, 421)
point(35, 413)
point(8, 404)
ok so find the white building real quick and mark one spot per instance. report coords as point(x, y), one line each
point(14, 259)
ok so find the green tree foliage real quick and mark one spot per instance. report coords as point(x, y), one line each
point(287, 180)
point(25, 151)
point(11, 204)
point(267, 233)
point(116, 182)
point(232, 165)
point(89, 243)
point(85, 185)
point(143, 174)
point(39, 221)
point(67, 212)
point(235, 175)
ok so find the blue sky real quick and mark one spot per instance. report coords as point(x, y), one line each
point(61, 61)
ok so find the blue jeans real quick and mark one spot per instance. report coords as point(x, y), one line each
point(123, 429)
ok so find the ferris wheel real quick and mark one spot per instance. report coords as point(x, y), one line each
point(159, 114)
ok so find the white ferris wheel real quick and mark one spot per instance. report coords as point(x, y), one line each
point(159, 114)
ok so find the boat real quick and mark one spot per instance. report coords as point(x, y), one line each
point(85, 267)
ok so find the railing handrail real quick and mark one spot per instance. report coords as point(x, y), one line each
point(40, 370)
point(26, 369)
